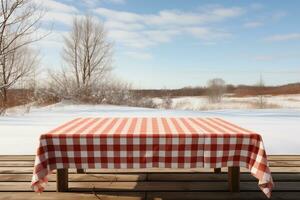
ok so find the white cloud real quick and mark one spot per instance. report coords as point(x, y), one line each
point(222, 13)
point(90, 3)
point(283, 37)
point(130, 39)
point(141, 39)
point(51, 39)
point(93, 3)
point(121, 16)
point(145, 30)
point(207, 34)
point(147, 38)
point(161, 36)
point(52, 16)
point(278, 15)
point(273, 57)
point(116, 1)
point(140, 31)
point(256, 6)
point(50, 47)
point(263, 19)
point(253, 24)
point(264, 58)
point(172, 17)
point(57, 12)
point(116, 25)
point(56, 6)
point(138, 55)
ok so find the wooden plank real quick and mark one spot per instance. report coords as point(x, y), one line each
point(149, 186)
point(72, 196)
point(17, 157)
point(62, 180)
point(217, 170)
point(221, 196)
point(177, 186)
point(16, 163)
point(283, 157)
point(16, 170)
point(150, 196)
point(210, 177)
point(234, 179)
point(28, 170)
point(279, 169)
point(284, 163)
point(78, 177)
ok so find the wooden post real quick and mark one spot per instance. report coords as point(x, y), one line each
point(62, 180)
point(217, 170)
point(80, 171)
point(234, 179)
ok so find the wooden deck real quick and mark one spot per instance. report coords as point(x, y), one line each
point(16, 172)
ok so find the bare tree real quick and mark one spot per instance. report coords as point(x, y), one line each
point(216, 88)
point(167, 102)
point(260, 93)
point(87, 53)
point(19, 23)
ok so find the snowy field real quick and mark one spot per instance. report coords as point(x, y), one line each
point(19, 130)
point(251, 102)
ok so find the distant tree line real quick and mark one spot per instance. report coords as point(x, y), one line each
point(186, 91)
point(234, 90)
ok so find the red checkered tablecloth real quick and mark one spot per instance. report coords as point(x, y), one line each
point(134, 143)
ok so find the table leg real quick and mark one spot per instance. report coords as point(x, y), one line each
point(80, 171)
point(62, 180)
point(234, 179)
point(217, 170)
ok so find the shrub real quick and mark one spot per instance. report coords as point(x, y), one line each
point(216, 88)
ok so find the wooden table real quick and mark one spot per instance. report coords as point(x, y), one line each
point(151, 143)
point(62, 183)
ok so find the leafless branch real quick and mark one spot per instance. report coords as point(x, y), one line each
point(19, 23)
point(87, 53)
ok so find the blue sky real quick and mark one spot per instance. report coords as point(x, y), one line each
point(172, 44)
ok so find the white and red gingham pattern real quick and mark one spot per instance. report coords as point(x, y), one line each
point(115, 143)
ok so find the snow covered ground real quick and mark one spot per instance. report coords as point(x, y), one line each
point(201, 102)
point(19, 130)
